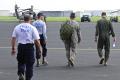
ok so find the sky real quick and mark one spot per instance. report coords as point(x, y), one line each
point(56, 5)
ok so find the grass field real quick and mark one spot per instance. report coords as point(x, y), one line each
point(50, 19)
point(8, 18)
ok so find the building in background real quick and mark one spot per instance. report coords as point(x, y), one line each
point(67, 13)
point(5, 13)
point(57, 13)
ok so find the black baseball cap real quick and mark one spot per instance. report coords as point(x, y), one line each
point(103, 13)
point(72, 15)
point(40, 14)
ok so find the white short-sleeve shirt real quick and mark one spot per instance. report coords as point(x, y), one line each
point(25, 33)
point(41, 27)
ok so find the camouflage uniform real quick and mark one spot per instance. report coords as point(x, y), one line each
point(70, 45)
point(104, 29)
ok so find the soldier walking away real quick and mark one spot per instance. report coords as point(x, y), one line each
point(26, 36)
point(70, 35)
point(41, 27)
point(104, 29)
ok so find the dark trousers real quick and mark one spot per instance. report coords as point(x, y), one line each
point(25, 58)
point(104, 43)
point(44, 49)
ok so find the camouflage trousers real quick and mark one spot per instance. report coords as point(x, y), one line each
point(70, 48)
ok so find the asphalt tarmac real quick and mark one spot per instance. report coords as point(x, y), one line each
point(87, 61)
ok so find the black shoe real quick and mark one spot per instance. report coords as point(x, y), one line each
point(21, 77)
point(38, 63)
point(44, 62)
point(101, 61)
point(68, 64)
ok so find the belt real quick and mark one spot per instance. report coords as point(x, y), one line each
point(26, 44)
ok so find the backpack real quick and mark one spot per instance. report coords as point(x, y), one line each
point(66, 31)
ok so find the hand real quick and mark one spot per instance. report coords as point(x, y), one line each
point(95, 39)
point(114, 39)
point(45, 41)
point(13, 52)
point(79, 40)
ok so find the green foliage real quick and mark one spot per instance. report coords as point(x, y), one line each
point(52, 19)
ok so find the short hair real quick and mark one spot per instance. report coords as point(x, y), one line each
point(40, 14)
point(27, 17)
point(72, 15)
point(103, 14)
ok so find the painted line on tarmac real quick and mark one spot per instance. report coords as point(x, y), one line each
point(5, 73)
point(1, 72)
point(87, 49)
point(82, 49)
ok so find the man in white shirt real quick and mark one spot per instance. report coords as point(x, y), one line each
point(41, 27)
point(26, 36)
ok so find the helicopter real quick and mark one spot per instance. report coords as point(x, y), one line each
point(20, 13)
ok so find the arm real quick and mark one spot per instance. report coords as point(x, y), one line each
point(79, 34)
point(38, 45)
point(96, 32)
point(36, 39)
point(44, 32)
point(112, 31)
point(13, 43)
